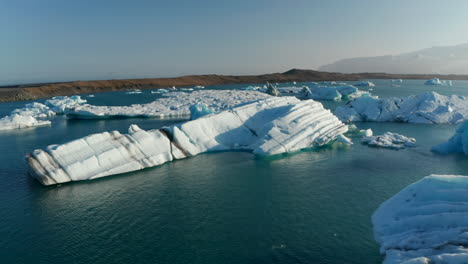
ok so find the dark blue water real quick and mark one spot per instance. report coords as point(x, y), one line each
point(311, 207)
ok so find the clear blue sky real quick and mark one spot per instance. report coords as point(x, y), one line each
point(55, 40)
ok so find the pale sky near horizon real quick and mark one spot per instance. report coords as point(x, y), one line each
point(59, 40)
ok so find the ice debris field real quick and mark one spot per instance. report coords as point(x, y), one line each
point(426, 108)
point(424, 223)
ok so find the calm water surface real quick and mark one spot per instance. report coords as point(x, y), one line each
point(230, 207)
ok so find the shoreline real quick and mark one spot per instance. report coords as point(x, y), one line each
point(26, 92)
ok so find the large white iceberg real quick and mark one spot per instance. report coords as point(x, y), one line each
point(428, 108)
point(172, 104)
point(456, 144)
point(28, 115)
point(267, 127)
point(425, 223)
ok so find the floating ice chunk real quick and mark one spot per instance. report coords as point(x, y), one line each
point(397, 81)
point(456, 144)
point(272, 90)
point(199, 87)
point(434, 81)
point(251, 88)
point(172, 104)
point(199, 110)
point(36, 110)
point(343, 139)
point(366, 132)
point(388, 140)
point(134, 91)
point(91, 95)
point(16, 121)
point(160, 91)
point(60, 104)
point(425, 222)
point(267, 127)
point(324, 93)
point(368, 84)
point(427, 108)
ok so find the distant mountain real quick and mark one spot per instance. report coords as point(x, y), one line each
point(435, 60)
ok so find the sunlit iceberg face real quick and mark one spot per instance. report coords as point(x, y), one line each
point(267, 127)
point(427, 108)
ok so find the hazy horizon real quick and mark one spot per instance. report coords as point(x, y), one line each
point(86, 40)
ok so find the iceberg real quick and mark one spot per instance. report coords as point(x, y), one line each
point(60, 104)
point(134, 91)
point(172, 104)
point(272, 90)
point(368, 84)
point(16, 121)
point(160, 91)
point(335, 93)
point(27, 116)
point(34, 109)
point(199, 110)
point(426, 222)
point(434, 81)
point(271, 126)
point(387, 140)
point(426, 108)
point(456, 144)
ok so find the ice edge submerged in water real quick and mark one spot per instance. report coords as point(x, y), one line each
point(426, 222)
point(268, 127)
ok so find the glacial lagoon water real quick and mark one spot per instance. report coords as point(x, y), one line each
point(229, 207)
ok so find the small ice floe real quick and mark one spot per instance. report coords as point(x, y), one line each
point(424, 223)
point(160, 91)
point(200, 109)
point(199, 87)
point(16, 121)
point(389, 140)
point(344, 140)
point(91, 95)
point(435, 81)
point(251, 88)
point(426, 108)
point(458, 143)
point(397, 81)
point(366, 84)
point(134, 91)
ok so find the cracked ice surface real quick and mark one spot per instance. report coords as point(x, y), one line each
point(425, 223)
point(267, 127)
point(428, 108)
point(173, 104)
